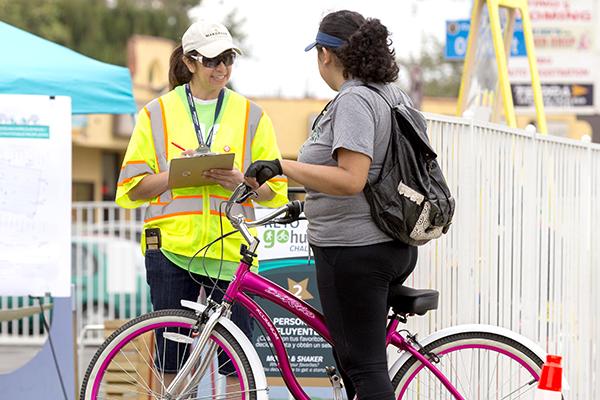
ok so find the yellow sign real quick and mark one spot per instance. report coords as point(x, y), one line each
point(501, 43)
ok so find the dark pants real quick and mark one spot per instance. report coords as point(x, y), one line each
point(353, 286)
point(169, 284)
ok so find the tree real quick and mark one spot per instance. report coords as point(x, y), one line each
point(101, 28)
point(440, 77)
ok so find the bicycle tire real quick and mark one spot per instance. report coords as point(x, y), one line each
point(113, 347)
point(413, 380)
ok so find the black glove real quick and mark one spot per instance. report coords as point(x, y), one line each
point(263, 170)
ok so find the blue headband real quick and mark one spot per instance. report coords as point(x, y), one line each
point(325, 40)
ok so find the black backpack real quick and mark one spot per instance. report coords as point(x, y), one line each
point(410, 200)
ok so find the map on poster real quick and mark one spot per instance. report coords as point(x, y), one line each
point(284, 259)
point(35, 195)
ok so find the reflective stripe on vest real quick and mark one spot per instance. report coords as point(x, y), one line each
point(158, 125)
point(180, 205)
point(246, 209)
point(159, 133)
point(189, 205)
point(253, 116)
point(166, 205)
point(133, 169)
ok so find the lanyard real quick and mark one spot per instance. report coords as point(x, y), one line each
point(322, 113)
point(203, 145)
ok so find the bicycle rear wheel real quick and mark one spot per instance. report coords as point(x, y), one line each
point(128, 366)
point(480, 365)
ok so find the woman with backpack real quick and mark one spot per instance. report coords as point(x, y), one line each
point(355, 261)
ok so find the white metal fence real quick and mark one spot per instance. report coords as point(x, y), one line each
point(520, 254)
point(521, 251)
point(108, 269)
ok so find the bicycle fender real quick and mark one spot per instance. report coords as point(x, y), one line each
point(531, 345)
point(260, 379)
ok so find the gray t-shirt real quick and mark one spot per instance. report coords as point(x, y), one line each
point(358, 120)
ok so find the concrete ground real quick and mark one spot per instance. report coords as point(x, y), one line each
point(13, 357)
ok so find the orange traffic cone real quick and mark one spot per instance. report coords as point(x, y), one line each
point(550, 384)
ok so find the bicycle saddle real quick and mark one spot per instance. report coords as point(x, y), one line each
point(405, 300)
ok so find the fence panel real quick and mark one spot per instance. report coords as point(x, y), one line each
point(520, 253)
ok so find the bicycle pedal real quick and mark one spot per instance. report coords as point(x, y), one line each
point(178, 338)
point(336, 382)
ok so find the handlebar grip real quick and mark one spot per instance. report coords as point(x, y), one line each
point(295, 208)
point(292, 213)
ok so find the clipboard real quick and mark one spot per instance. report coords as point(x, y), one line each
point(187, 171)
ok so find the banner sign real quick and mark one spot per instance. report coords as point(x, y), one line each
point(567, 49)
point(556, 95)
point(284, 259)
point(35, 197)
point(568, 54)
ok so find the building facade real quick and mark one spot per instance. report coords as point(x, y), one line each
point(100, 141)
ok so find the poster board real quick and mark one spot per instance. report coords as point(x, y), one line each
point(567, 47)
point(35, 195)
point(284, 259)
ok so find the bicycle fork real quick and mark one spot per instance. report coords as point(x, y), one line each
point(200, 345)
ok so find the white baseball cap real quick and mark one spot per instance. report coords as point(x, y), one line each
point(208, 38)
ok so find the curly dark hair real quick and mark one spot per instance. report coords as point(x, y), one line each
point(367, 54)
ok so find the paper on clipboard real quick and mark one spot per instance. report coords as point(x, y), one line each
point(187, 171)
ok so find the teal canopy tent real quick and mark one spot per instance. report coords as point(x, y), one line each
point(32, 65)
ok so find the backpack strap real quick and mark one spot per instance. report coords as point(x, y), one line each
point(390, 147)
point(376, 90)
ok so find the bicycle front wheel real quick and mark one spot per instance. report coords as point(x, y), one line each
point(480, 365)
point(133, 364)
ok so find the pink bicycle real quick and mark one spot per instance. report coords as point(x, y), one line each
point(462, 362)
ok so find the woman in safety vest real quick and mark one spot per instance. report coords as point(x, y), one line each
point(198, 113)
point(355, 261)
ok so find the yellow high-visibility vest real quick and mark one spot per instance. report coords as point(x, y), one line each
point(189, 218)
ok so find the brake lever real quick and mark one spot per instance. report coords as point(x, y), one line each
point(295, 208)
point(247, 195)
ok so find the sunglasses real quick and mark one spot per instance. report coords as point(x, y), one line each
point(226, 58)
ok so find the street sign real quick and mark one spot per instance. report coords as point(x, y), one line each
point(457, 35)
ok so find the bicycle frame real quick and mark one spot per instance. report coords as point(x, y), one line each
point(245, 281)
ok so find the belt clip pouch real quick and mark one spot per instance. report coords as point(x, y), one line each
point(153, 239)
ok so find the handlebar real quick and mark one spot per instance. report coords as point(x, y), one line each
point(291, 212)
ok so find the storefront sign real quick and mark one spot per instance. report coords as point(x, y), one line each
point(568, 53)
point(559, 95)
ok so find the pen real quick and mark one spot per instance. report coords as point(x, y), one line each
point(178, 146)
